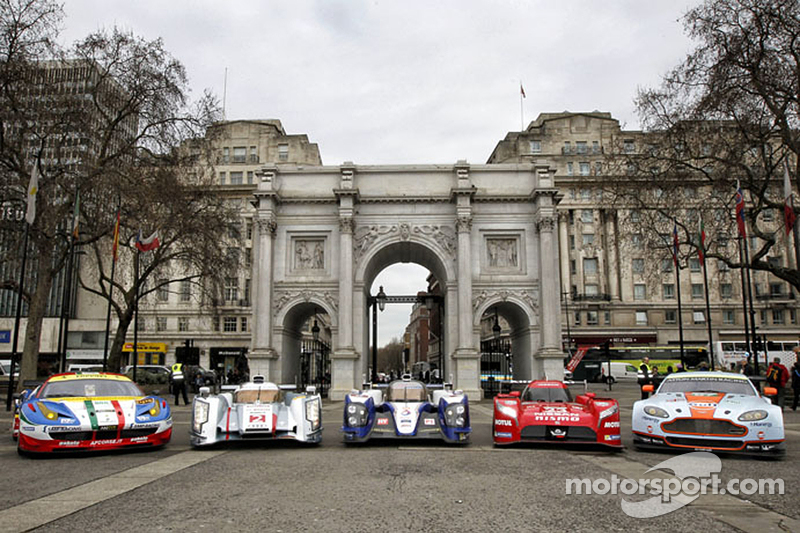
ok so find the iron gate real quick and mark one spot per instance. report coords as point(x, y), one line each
point(315, 366)
point(496, 368)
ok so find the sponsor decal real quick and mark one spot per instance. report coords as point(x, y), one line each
point(139, 439)
point(651, 419)
point(143, 426)
point(107, 428)
point(546, 417)
point(502, 435)
point(560, 433)
point(261, 419)
point(145, 401)
point(104, 442)
point(702, 404)
point(406, 412)
point(58, 429)
point(429, 421)
point(143, 418)
point(502, 422)
point(28, 428)
point(612, 437)
point(760, 435)
point(761, 424)
point(69, 443)
point(611, 425)
point(383, 421)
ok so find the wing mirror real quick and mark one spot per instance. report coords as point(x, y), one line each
point(311, 389)
point(204, 392)
point(515, 393)
point(770, 391)
point(590, 395)
point(648, 388)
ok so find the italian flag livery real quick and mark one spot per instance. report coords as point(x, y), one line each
point(100, 411)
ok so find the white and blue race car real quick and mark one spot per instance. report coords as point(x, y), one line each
point(709, 411)
point(406, 409)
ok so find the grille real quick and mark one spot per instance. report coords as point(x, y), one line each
point(544, 432)
point(72, 435)
point(703, 427)
point(138, 432)
point(706, 443)
point(102, 435)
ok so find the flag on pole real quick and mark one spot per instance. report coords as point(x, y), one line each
point(116, 237)
point(76, 216)
point(521, 90)
point(33, 188)
point(740, 211)
point(148, 244)
point(675, 241)
point(788, 205)
point(701, 235)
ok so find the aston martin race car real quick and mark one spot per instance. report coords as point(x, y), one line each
point(97, 411)
point(256, 410)
point(406, 409)
point(708, 411)
point(546, 412)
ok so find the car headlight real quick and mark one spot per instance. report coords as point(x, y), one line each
point(656, 411)
point(48, 413)
point(506, 410)
point(605, 413)
point(750, 416)
point(155, 409)
point(200, 415)
point(356, 415)
point(312, 413)
point(455, 415)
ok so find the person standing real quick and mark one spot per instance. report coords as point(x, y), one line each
point(645, 376)
point(777, 376)
point(795, 384)
point(178, 380)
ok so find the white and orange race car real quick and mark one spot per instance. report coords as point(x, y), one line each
point(715, 411)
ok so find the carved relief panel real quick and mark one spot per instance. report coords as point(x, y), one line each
point(502, 253)
point(307, 254)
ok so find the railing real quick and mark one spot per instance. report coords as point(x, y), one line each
point(590, 297)
point(776, 296)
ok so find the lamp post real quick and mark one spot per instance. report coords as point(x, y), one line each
point(378, 302)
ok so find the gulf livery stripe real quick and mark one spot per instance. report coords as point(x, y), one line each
point(120, 417)
point(92, 414)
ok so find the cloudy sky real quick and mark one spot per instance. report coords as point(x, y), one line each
point(407, 81)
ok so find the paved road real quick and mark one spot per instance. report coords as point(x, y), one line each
point(393, 486)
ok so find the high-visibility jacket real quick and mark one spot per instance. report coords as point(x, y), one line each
point(644, 374)
point(177, 372)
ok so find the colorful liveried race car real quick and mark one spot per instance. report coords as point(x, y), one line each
point(256, 410)
point(406, 409)
point(97, 411)
point(708, 411)
point(546, 412)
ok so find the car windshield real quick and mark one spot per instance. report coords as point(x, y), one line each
point(89, 388)
point(546, 394)
point(707, 384)
point(257, 395)
point(407, 391)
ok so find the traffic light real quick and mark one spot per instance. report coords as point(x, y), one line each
point(187, 354)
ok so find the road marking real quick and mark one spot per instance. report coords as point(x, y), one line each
point(36, 513)
point(733, 511)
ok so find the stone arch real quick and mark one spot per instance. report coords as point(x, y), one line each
point(521, 317)
point(287, 333)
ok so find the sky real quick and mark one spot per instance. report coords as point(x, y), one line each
point(406, 81)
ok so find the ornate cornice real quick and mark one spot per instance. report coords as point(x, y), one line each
point(546, 223)
point(365, 236)
point(283, 297)
point(464, 223)
point(346, 225)
point(267, 225)
point(530, 297)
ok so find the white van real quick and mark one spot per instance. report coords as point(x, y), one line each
point(619, 372)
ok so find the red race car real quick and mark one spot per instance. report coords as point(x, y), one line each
point(546, 412)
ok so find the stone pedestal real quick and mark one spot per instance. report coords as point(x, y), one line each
point(344, 374)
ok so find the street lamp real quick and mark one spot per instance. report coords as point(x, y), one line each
point(315, 327)
point(381, 297)
point(496, 329)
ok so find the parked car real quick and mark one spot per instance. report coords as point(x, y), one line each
point(619, 372)
point(101, 411)
point(256, 410)
point(407, 409)
point(150, 378)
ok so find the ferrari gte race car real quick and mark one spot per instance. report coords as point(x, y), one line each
point(406, 409)
point(708, 411)
point(256, 410)
point(546, 412)
point(97, 411)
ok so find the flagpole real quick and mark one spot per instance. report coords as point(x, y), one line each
point(752, 311)
point(708, 315)
point(136, 315)
point(751, 354)
point(17, 320)
point(678, 288)
point(111, 285)
point(521, 112)
point(66, 302)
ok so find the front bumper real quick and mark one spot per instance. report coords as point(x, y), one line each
point(550, 434)
point(434, 433)
point(91, 441)
point(717, 444)
point(198, 440)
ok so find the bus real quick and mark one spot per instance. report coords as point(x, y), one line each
point(735, 353)
point(665, 358)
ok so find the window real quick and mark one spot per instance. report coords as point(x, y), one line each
point(231, 289)
point(142, 324)
point(588, 238)
point(226, 155)
point(598, 168)
point(577, 318)
point(776, 289)
point(163, 290)
point(237, 178)
point(222, 178)
point(239, 154)
point(580, 147)
point(243, 323)
point(567, 148)
point(726, 290)
point(793, 316)
point(641, 318)
point(635, 215)
point(536, 147)
point(229, 323)
point(161, 323)
point(607, 317)
point(587, 216)
point(589, 266)
point(247, 291)
point(777, 316)
point(694, 264)
point(584, 168)
point(637, 265)
point(595, 147)
point(668, 289)
point(573, 267)
point(628, 146)
point(591, 289)
point(640, 291)
point(763, 316)
point(248, 257)
point(670, 317)
point(283, 152)
point(249, 177)
point(697, 291)
point(722, 266)
point(591, 318)
point(572, 242)
point(666, 265)
point(699, 317)
point(586, 194)
point(636, 240)
point(728, 316)
point(570, 172)
point(253, 155)
point(249, 229)
point(186, 291)
point(183, 323)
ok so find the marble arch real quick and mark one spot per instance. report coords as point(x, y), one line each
point(487, 231)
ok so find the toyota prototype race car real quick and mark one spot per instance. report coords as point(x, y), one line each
point(406, 409)
point(708, 411)
point(546, 412)
point(98, 411)
point(256, 410)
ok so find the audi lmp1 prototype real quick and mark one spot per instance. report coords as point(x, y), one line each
point(406, 410)
point(709, 411)
point(256, 410)
point(97, 411)
point(546, 412)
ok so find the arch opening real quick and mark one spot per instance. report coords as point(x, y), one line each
point(505, 340)
point(306, 337)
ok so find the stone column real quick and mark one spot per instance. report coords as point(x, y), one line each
point(563, 253)
point(612, 259)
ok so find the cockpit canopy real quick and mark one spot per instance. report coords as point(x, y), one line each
point(407, 391)
point(261, 394)
point(546, 394)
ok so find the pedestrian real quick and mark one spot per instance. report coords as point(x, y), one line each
point(178, 381)
point(795, 384)
point(778, 376)
point(198, 381)
point(645, 376)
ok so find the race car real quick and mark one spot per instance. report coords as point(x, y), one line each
point(407, 410)
point(546, 412)
point(96, 411)
point(256, 410)
point(708, 411)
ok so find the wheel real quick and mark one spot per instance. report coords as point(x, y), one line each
point(611, 380)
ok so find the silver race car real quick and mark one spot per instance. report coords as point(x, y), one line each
point(709, 411)
point(256, 410)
